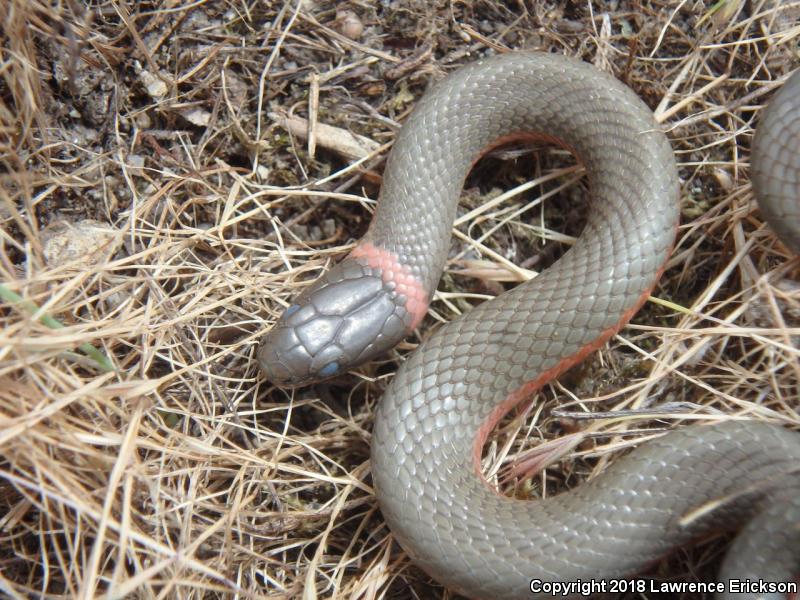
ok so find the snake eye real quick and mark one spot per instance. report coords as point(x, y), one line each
point(291, 310)
point(330, 369)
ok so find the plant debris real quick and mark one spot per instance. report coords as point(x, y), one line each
point(182, 473)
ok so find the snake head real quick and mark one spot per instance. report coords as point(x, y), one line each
point(348, 316)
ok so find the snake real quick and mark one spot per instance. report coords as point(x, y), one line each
point(434, 416)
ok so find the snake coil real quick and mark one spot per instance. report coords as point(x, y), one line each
point(435, 415)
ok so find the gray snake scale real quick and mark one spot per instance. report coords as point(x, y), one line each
point(434, 416)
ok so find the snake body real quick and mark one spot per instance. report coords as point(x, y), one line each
point(434, 416)
point(776, 163)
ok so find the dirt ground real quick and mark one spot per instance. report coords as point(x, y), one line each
point(163, 201)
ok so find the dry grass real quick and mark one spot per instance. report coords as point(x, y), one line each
point(182, 473)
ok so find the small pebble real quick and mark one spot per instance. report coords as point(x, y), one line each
point(349, 25)
point(85, 243)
